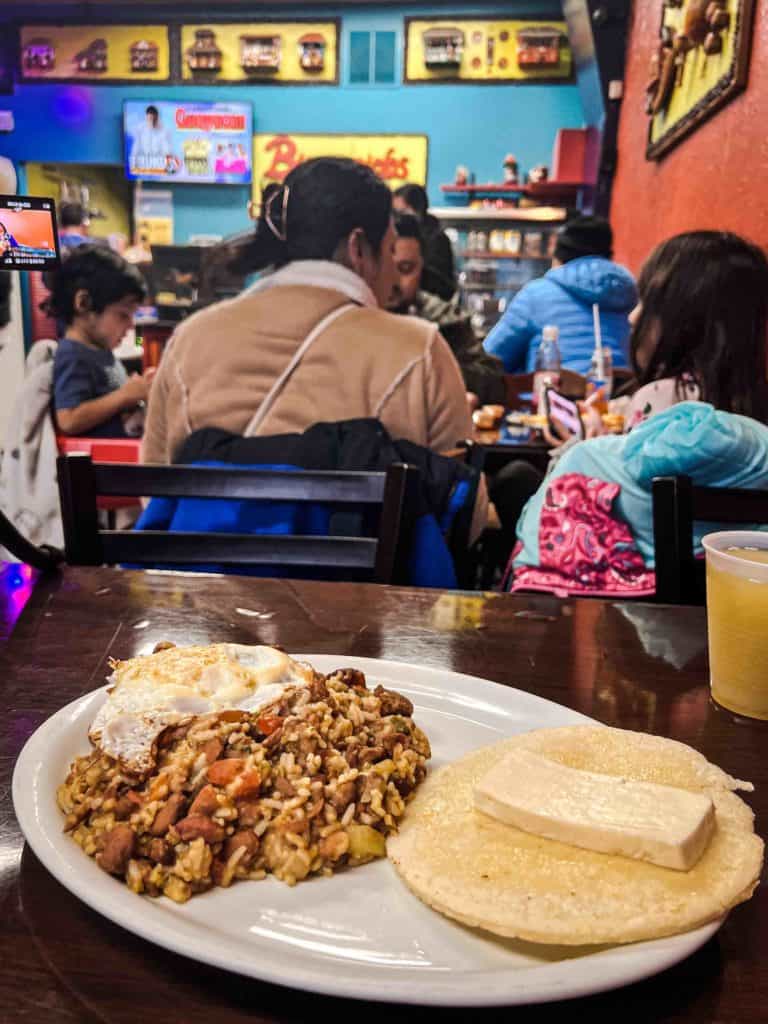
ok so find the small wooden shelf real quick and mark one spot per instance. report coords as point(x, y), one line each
point(541, 190)
point(478, 215)
point(491, 189)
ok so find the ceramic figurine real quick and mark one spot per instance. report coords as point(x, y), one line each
point(511, 171)
point(204, 54)
point(93, 58)
point(312, 51)
point(443, 47)
point(538, 47)
point(538, 174)
point(144, 55)
point(260, 53)
point(39, 54)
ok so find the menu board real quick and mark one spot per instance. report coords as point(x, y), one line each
point(94, 53)
point(205, 143)
point(395, 158)
point(465, 50)
point(279, 52)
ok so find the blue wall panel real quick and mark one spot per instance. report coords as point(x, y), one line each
point(466, 124)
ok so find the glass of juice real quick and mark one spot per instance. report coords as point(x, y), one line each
point(737, 619)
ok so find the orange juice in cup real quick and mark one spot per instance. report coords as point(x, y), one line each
point(737, 619)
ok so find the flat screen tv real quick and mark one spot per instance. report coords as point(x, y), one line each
point(28, 236)
point(203, 143)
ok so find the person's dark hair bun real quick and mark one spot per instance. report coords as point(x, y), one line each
point(318, 206)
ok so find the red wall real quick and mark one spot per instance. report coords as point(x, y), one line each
point(715, 178)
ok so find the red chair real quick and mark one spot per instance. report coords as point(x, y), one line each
point(105, 449)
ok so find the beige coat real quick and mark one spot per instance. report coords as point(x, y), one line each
point(220, 364)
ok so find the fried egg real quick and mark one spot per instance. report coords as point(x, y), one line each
point(150, 693)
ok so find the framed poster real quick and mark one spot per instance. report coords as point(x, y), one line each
point(94, 53)
point(395, 158)
point(272, 52)
point(467, 50)
point(701, 63)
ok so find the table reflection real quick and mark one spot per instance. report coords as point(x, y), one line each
point(16, 585)
point(630, 668)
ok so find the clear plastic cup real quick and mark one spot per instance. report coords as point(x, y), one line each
point(737, 620)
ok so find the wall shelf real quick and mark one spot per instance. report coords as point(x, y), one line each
point(477, 215)
point(541, 190)
point(470, 254)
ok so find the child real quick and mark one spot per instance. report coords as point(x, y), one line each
point(95, 295)
point(698, 349)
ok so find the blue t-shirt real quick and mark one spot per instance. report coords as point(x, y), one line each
point(71, 239)
point(81, 373)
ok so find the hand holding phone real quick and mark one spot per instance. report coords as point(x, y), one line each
point(563, 416)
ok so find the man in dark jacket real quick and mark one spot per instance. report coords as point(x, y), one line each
point(483, 374)
point(438, 273)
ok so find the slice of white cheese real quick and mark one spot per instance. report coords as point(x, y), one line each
point(663, 825)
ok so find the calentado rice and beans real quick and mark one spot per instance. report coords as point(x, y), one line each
point(311, 783)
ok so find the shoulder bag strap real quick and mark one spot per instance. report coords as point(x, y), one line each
point(277, 388)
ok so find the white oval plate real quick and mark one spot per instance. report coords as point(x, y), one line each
point(360, 933)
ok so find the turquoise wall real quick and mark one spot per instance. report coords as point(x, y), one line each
point(466, 124)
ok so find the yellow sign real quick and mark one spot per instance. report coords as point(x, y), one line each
point(102, 53)
point(158, 230)
point(696, 82)
point(395, 158)
point(458, 49)
point(273, 51)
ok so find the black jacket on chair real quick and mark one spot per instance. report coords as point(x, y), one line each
point(361, 444)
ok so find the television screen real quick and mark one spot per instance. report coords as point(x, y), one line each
point(28, 238)
point(206, 143)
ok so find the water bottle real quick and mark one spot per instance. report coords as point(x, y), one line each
point(600, 378)
point(547, 369)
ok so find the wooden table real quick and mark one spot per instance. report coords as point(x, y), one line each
point(638, 666)
point(497, 453)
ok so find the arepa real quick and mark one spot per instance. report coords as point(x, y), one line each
point(491, 875)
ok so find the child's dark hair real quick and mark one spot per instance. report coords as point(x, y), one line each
point(318, 206)
point(99, 271)
point(416, 197)
point(407, 226)
point(704, 297)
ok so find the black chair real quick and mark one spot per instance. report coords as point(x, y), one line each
point(677, 504)
point(388, 499)
point(46, 558)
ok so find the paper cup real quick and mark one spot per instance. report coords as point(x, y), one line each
point(737, 620)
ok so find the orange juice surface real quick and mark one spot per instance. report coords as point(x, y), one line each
point(737, 614)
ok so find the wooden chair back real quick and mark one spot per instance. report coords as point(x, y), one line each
point(572, 384)
point(677, 505)
point(383, 558)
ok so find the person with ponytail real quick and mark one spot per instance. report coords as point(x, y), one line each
point(309, 341)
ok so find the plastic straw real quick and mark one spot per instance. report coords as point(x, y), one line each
point(599, 357)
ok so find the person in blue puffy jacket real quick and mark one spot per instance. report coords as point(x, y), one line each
point(582, 274)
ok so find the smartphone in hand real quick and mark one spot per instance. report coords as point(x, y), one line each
point(563, 416)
